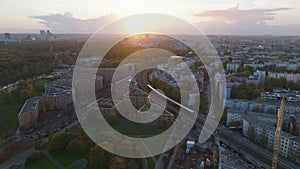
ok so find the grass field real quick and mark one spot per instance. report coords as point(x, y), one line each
point(38, 86)
point(66, 158)
point(9, 116)
point(43, 163)
point(142, 130)
point(131, 129)
point(9, 111)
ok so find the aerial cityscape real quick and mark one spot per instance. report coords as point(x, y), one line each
point(149, 86)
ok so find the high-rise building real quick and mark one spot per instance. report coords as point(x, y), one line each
point(7, 36)
point(43, 34)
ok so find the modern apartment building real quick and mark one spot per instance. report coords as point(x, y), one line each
point(28, 115)
point(57, 95)
point(289, 144)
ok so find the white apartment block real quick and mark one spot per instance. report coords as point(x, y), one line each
point(249, 105)
point(238, 115)
point(288, 76)
point(232, 67)
point(288, 144)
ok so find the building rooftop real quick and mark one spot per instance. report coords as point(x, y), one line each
point(30, 105)
point(53, 88)
point(251, 113)
point(259, 123)
point(270, 102)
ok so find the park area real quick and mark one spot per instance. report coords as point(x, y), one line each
point(10, 106)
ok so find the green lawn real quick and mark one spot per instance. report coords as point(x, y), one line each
point(38, 86)
point(43, 163)
point(66, 159)
point(9, 111)
point(130, 129)
point(142, 130)
point(9, 116)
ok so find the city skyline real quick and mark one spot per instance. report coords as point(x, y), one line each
point(232, 17)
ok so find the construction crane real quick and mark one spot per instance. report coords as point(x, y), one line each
point(277, 134)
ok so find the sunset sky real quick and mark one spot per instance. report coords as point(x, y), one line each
point(211, 16)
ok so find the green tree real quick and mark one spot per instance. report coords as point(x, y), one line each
point(292, 155)
point(59, 141)
point(36, 155)
point(75, 146)
point(117, 163)
point(251, 134)
point(224, 115)
point(270, 111)
point(112, 118)
point(37, 144)
point(263, 139)
point(257, 109)
point(203, 107)
point(249, 69)
point(234, 124)
point(98, 158)
point(245, 91)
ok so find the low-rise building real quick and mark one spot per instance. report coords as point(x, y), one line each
point(232, 66)
point(254, 80)
point(289, 144)
point(165, 116)
point(249, 105)
point(288, 76)
point(137, 97)
point(239, 115)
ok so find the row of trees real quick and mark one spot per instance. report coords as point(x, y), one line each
point(244, 71)
point(75, 143)
point(29, 59)
point(100, 158)
point(23, 60)
point(245, 91)
point(271, 83)
point(251, 92)
point(273, 68)
point(169, 90)
point(24, 91)
point(175, 94)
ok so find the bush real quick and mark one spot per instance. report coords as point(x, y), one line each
point(36, 155)
point(4, 157)
point(59, 141)
point(75, 146)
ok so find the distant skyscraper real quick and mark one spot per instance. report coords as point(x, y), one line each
point(7, 36)
point(43, 34)
point(46, 35)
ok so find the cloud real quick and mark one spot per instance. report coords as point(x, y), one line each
point(67, 23)
point(236, 21)
point(232, 21)
point(235, 15)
